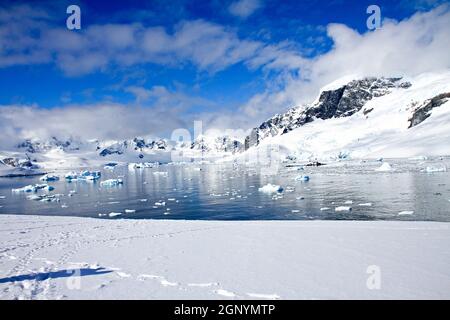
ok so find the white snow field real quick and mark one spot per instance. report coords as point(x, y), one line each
point(148, 259)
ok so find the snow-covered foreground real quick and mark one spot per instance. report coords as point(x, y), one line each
point(74, 258)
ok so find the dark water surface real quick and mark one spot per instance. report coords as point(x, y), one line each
point(230, 192)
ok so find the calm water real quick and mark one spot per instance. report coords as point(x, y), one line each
point(227, 192)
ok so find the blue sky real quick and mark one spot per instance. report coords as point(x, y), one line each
point(189, 57)
point(300, 22)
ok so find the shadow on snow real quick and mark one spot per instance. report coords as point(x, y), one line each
point(56, 274)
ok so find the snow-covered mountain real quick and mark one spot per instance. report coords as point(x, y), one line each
point(351, 118)
point(368, 117)
point(342, 101)
point(56, 153)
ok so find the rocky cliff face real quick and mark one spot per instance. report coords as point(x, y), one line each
point(341, 102)
point(422, 112)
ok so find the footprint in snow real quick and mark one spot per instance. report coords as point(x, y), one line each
point(225, 293)
point(123, 274)
point(264, 296)
point(161, 280)
point(203, 285)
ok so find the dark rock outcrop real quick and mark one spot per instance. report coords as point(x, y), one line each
point(341, 102)
point(421, 113)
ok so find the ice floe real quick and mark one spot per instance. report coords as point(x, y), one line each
point(111, 183)
point(83, 176)
point(32, 188)
point(368, 204)
point(342, 208)
point(302, 178)
point(385, 167)
point(270, 188)
point(435, 169)
point(142, 165)
point(49, 177)
point(406, 213)
point(115, 214)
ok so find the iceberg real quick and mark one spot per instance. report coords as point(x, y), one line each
point(71, 176)
point(436, 169)
point(302, 178)
point(385, 167)
point(111, 183)
point(115, 214)
point(340, 209)
point(90, 175)
point(110, 166)
point(49, 177)
point(49, 188)
point(270, 188)
point(142, 165)
point(31, 188)
point(84, 175)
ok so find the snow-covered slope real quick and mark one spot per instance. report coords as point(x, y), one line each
point(160, 259)
point(357, 118)
point(368, 118)
point(71, 153)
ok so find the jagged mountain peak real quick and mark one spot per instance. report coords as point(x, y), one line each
point(339, 101)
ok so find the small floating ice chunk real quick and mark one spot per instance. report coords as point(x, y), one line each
point(161, 173)
point(385, 167)
point(348, 202)
point(130, 211)
point(71, 175)
point(436, 169)
point(368, 204)
point(34, 197)
point(160, 204)
point(111, 183)
point(405, 213)
point(133, 166)
point(340, 209)
point(31, 188)
point(302, 178)
point(270, 188)
point(84, 175)
point(325, 209)
point(110, 166)
point(115, 214)
point(49, 188)
point(49, 177)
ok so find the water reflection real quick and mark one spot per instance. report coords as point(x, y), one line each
point(230, 192)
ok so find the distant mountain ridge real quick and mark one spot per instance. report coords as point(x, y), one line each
point(367, 117)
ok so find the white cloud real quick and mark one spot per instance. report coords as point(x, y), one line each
point(31, 37)
point(406, 48)
point(244, 8)
point(102, 121)
point(416, 45)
